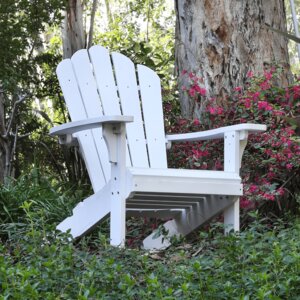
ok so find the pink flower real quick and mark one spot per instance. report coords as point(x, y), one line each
point(250, 74)
point(183, 72)
point(196, 122)
point(245, 203)
point(268, 75)
point(280, 191)
point(212, 110)
point(289, 166)
point(191, 75)
point(238, 89)
point(200, 90)
point(199, 153)
point(264, 105)
point(247, 103)
point(192, 92)
point(269, 196)
point(219, 110)
point(255, 96)
point(265, 85)
point(253, 188)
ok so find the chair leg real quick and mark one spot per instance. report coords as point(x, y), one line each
point(191, 219)
point(118, 221)
point(88, 213)
point(232, 216)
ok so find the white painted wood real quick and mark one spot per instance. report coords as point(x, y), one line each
point(232, 152)
point(188, 221)
point(130, 106)
point(77, 126)
point(232, 217)
point(179, 181)
point(215, 133)
point(106, 85)
point(73, 99)
point(233, 147)
point(153, 116)
point(88, 213)
point(90, 97)
point(190, 197)
point(115, 137)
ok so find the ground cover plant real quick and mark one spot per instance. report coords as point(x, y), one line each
point(261, 262)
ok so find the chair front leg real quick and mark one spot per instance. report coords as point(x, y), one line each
point(114, 135)
point(234, 145)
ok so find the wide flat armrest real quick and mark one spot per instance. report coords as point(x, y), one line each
point(215, 133)
point(76, 126)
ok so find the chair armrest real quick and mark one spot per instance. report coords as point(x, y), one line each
point(72, 127)
point(215, 133)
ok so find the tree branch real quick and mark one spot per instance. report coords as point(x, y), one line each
point(91, 31)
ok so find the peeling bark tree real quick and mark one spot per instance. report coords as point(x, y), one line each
point(224, 39)
point(73, 34)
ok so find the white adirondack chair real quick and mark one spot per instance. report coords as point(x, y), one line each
point(117, 119)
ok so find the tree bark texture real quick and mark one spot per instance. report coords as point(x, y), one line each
point(2, 139)
point(73, 34)
point(221, 40)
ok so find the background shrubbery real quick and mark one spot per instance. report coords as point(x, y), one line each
point(271, 162)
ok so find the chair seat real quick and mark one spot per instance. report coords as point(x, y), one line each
point(181, 182)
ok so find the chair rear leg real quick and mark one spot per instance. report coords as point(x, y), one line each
point(117, 220)
point(232, 216)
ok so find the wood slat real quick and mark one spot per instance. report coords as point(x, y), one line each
point(106, 85)
point(153, 116)
point(77, 111)
point(130, 105)
point(88, 89)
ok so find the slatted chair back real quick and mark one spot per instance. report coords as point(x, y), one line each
point(95, 83)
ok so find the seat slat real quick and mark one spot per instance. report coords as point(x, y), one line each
point(106, 85)
point(153, 116)
point(130, 105)
point(73, 99)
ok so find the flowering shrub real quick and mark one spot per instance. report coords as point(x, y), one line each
point(271, 162)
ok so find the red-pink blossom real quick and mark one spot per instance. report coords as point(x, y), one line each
point(268, 75)
point(264, 105)
point(192, 92)
point(250, 74)
point(253, 188)
point(183, 72)
point(269, 196)
point(196, 122)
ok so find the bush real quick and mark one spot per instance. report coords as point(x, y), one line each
point(48, 200)
point(256, 264)
point(271, 162)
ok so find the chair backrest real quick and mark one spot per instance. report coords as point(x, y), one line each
point(95, 83)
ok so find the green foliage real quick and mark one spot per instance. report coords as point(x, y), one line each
point(21, 24)
point(256, 264)
point(37, 199)
point(143, 31)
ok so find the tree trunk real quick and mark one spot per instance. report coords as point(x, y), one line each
point(222, 40)
point(91, 31)
point(73, 34)
point(2, 139)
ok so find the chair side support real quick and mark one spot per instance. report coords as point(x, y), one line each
point(115, 138)
point(234, 145)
